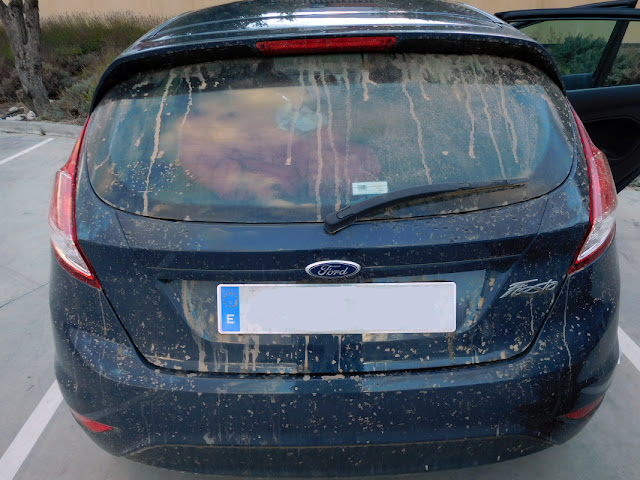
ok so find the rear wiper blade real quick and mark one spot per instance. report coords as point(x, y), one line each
point(336, 221)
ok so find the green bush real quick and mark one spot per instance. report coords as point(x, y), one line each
point(626, 69)
point(9, 83)
point(577, 54)
point(5, 48)
point(76, 49)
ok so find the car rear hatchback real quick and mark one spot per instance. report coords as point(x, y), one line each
point(336, 240)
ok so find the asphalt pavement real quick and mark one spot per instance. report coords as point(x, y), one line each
point(40, 440)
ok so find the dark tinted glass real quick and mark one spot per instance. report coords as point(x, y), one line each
point(293, 139)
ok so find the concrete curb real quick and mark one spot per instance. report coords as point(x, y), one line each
point(40, 128)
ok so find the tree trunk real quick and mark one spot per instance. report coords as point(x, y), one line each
point(21, 20)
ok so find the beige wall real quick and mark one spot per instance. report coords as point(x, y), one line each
point(173, 7)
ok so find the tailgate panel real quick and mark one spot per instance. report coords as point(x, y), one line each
point(171, 309)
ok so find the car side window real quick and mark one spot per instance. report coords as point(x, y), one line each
point(576, 45)
point(626, 67)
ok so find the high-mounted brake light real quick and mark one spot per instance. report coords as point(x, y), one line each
point(92, 425)
point(604, 200)
point(62, 220)
point(326, 45)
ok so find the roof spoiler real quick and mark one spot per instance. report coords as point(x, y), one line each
point(517, 47)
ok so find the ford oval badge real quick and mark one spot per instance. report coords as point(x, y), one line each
point(333, 269)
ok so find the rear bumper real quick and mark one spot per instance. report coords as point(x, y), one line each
point(340, 461)
point(348, 425)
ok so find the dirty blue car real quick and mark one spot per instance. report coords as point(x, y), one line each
point(298, 238)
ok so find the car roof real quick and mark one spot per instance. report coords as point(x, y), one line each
point(231, 30)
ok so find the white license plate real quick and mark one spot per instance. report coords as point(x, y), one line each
point(337, 309)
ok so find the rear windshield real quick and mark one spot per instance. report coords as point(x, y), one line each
point(292, 139)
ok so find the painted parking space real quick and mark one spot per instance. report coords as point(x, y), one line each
point(13, 144)
point(25, 189)
point(26, 349)
point(628, 239)
point(25, 151)
point(54, 446)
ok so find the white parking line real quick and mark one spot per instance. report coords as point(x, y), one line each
point(629, 348)
point(24, 152)
point(29, 434)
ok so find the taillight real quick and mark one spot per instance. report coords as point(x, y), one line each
point(326, 45)
point(604, 200)
point(62, 220)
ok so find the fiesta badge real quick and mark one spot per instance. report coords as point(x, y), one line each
point(333, 269)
